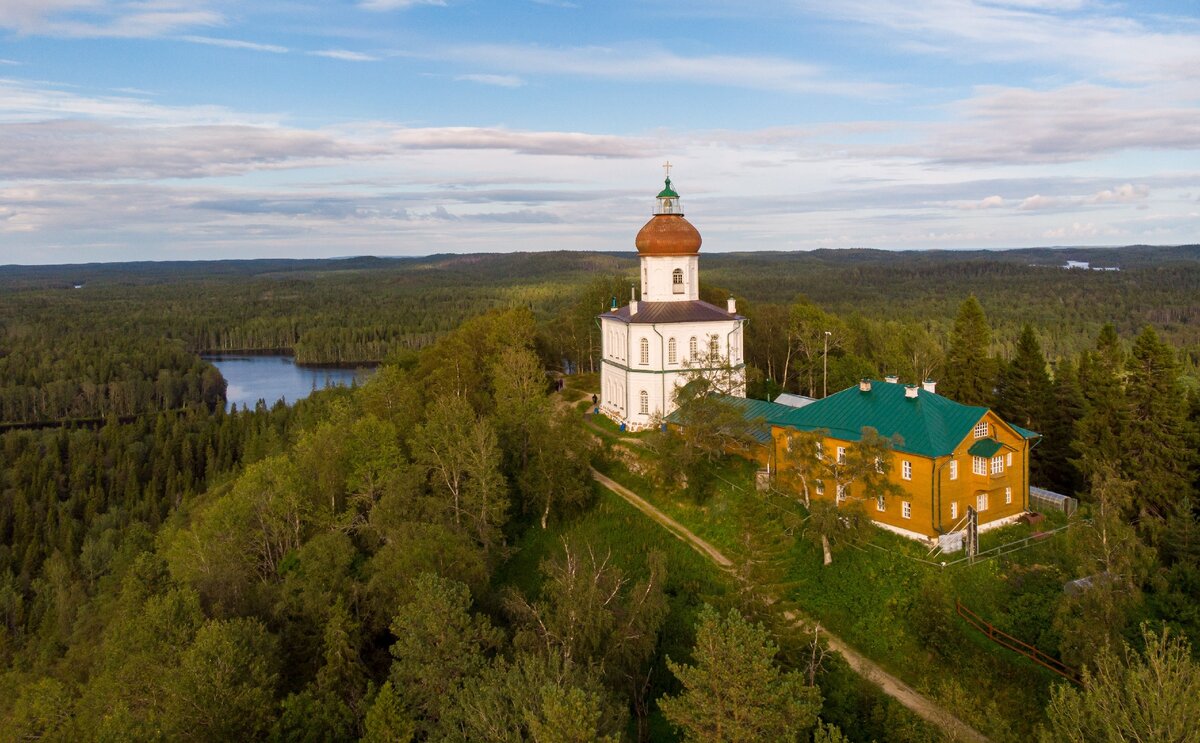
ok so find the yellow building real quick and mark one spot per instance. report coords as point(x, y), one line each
point(946, 456)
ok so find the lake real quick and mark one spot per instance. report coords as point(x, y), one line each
point(275, 377)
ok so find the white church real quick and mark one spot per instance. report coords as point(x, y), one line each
point(658, 341)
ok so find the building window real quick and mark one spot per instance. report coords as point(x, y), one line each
point(953, 469)
point(981, 502)
point(906, 509)
point(880, 504)
point(841, 455)
point(820, 451)
point(671, 356)
point(714, 347)
point(644, 402)
point(841, 492)
point(979, 465)
point(1008, 460)
point(677, 281)
point(953, 510)
point(1008, 496)
point(644, 353)
point(693, 352)
point(820, 487)
point(997, 465)
point(906, 469)
point(878, 465)
point(981, 429)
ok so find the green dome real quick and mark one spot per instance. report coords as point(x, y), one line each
point(668, 192)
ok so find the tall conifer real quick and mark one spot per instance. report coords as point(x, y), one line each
point(970, 372)
point(1100, 433)
point(1054, 461)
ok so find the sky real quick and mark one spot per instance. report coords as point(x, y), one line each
point(200, 129)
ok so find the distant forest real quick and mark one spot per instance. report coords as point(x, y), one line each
point(127, 339)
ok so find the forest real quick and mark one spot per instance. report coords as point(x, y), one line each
point(428, 557)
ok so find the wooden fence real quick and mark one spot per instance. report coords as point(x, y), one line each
point(1017, 646)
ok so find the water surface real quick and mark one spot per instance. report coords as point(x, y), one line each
point(277, 377)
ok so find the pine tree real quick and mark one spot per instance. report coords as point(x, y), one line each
point(970, 372)
point(1025, 390)
point(1053, 463)
point(1100, 433)
point(736, 692)
point(1157, 455)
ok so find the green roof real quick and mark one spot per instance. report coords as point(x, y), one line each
point(985, 448)
point(771, 414)
point(1025, 432)
point(668, 192)
point(929, 425)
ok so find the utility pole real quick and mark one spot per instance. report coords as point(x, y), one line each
point(825, 363)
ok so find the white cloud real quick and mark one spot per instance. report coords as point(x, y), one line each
point(576, 144)
point(105, 18)
point(1121, 194)
point(503, 81)
point(345, 55)
point(236, 44)
point(639, 64)
point(1037, 201)
point(384, 5)
point(990, 202)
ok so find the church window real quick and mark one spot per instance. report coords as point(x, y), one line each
point(981, 429)
point(677, 281)
point(906, 469)
point(714, 347)
point(693, 351)
point(644, 402)
point(906, 509)
point(671, 355)
point(953, 470)
point(644, 352)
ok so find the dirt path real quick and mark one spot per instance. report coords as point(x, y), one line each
point(954, 728)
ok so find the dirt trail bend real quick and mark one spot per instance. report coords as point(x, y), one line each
point(925, 708)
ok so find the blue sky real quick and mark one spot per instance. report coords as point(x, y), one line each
point(189, 129)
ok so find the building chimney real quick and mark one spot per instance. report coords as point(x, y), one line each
point(911, 390)
point(929, 386)
point(891, 379)
point(864, 385)
point(632, 302)
point(732, 305)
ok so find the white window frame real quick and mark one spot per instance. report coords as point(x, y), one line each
point(879, 465)
point(880, 504)
point(644, 402)
point(906, 509)
point(841, 455)
point(841, 492)
point(820, 451)
point(1008, 496)
point(981, 429)
point(693, 348)
point(714, 347)
point(981, 502)
point(953, 510)
point(979, 465)
point(644, 351)
point(997, 465)
point(672, 355)
point(677, 281)
point(820, 484)
point(906, 469)
point(1008, 460)
point(953, 469)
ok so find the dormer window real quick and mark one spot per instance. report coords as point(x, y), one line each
point(677, 281)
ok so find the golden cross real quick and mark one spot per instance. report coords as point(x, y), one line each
point(667, 168)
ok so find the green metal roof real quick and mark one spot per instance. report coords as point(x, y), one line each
point(1025, 432)
point(771, 414)
point(668, 192)
point(985, 448)
point(929, 425)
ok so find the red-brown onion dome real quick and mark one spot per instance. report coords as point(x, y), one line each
point(668, 234)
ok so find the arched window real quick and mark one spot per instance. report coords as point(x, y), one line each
point(677, 281)
point(693, 351)
point(671, 351)
point(644, 402)
point(644, 354)
point(714, 346)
